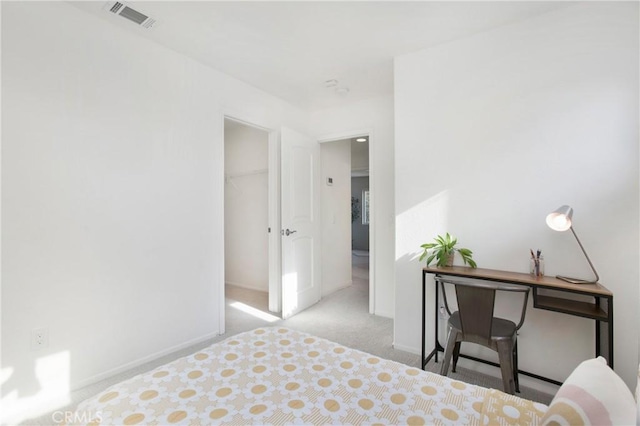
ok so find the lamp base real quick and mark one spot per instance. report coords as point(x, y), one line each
point(574, 280)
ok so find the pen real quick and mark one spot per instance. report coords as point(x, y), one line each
point(536, 261)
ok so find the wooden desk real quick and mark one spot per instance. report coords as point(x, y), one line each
point(599, 309)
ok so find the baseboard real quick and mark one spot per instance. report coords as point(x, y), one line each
point(248, 287)
point(409, 349)
point(334, 289)
point(384, 314)
point(110, 373)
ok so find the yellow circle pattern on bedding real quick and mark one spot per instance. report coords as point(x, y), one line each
point(281, 376)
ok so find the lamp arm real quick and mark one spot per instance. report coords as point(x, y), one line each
point(585, 255)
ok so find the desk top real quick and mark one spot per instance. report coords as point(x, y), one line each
point(517, 278)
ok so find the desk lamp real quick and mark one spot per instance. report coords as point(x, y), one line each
point(560, 220)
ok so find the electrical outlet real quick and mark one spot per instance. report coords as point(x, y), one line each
point(39, 338)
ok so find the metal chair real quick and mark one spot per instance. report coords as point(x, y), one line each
point(474, 322)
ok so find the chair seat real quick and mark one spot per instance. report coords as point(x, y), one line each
point(500, 328)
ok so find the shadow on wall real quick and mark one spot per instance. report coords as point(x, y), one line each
point(30, 393)
point(420, 223)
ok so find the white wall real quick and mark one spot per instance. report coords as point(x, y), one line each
point(495, 131)
point(246, 207)
point(112, 194)
point(336, 215)
point(374, 116)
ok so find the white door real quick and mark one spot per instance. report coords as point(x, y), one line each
point(300, 222)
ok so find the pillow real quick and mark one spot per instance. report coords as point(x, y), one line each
point(592, 395)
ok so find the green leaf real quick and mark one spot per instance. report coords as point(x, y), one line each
point(442, 247)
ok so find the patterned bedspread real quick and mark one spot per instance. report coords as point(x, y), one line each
point(280, 376)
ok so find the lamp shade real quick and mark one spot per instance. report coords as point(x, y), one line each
point(560, 219)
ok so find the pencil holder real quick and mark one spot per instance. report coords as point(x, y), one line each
point(536, 267)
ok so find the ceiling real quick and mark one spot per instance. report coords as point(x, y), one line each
point(289, 49)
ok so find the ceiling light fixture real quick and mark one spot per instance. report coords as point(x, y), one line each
point(335, 85)
point(331, 83)
point(361, 140)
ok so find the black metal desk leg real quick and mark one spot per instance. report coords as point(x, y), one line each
point(598, 326)
point(604, 343)
point(437, 347)
point(435, 335)
point(610, 328)
point(424, 277)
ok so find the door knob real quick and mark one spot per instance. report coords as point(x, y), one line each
point(287, 232)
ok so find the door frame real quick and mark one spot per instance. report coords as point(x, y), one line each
point(372, 202)
point(273, 216)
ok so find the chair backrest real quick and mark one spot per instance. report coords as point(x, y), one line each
point(476, 301)
point(475, 305)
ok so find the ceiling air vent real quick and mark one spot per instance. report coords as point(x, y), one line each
point(133, 15)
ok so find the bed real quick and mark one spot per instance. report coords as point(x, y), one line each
point(282, 376)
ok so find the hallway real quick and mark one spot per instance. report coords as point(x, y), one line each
point(247, 309)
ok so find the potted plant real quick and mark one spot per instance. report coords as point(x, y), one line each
point(443, 250)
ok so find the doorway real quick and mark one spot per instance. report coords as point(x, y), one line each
point(360, 213)
point(292, 226)
point(246, 224)
point(347, 216)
